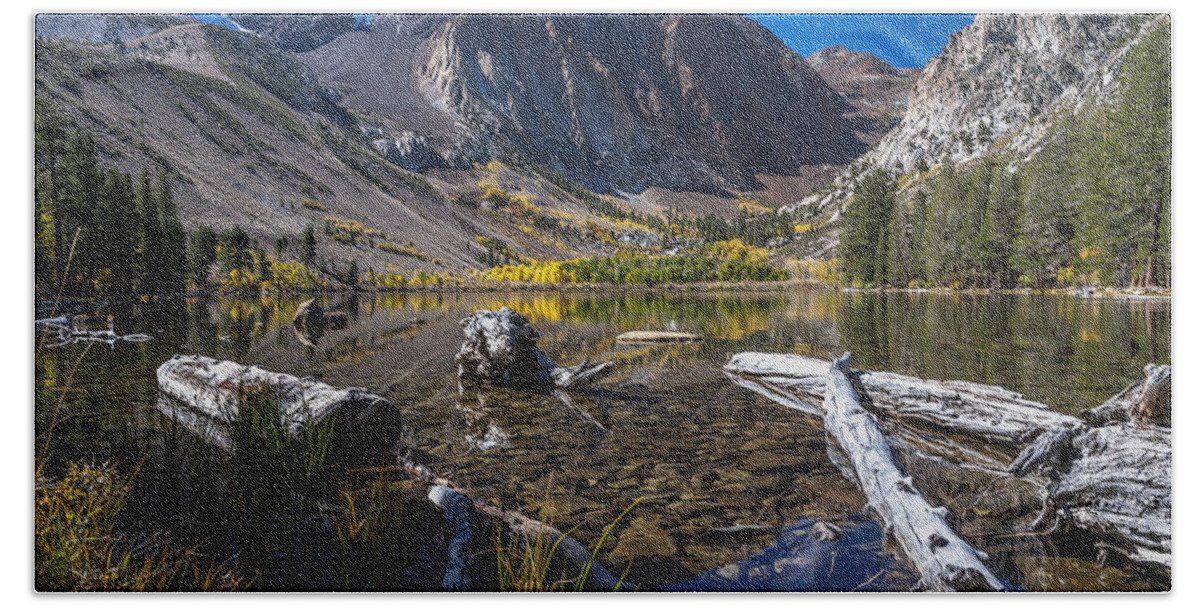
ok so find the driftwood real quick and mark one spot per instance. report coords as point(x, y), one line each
point(500, 348)
point(1107, 471)
point(658, 336)
point(979, 410)
point(448, 499)
point(215, 388)
point(945, 561)
point(67, 329)
point(1113, 477)
point(460, 520)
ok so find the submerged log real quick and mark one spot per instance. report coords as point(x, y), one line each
point(215, 388)
point(460, 520)
point(945, 561)
point(500, 348)
point(446, 495)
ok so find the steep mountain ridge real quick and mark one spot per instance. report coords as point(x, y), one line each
point(996, 86)
point(240, 154)
point(618, 103)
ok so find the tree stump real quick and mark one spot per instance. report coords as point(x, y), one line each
point(500, 348)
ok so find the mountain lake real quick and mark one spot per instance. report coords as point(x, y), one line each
point(729, 481)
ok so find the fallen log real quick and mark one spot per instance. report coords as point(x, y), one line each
point(500, 348)
point(945, 561)
point(216, 388)
point(979, 410)
point(1146, 401)
point(1113, 477)
point(459, 518)
point(658, 336)
point(1107, 471)
point(598, 577)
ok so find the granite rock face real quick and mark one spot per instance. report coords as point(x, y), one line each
point(997, 85)
point(695, 102)
point(410, 151)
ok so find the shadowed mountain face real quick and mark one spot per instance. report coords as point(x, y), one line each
point(296, 32)
point(698, 103)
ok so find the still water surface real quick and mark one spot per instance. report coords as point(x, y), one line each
point(667, 426)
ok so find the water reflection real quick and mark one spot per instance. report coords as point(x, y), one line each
point(799, 561)
point(666, 426)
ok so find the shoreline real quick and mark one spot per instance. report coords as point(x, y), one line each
point(713, 287)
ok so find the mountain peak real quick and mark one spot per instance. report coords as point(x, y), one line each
point(841, 63)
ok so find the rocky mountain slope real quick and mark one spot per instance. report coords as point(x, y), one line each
point(618, 103)
point(104, 28)
point(877, 90)
point(252, 138)
point(457, 138)
point(995, 87)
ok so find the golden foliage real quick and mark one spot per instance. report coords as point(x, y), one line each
point(735, 250)
point(824, 271)
point(532, 271)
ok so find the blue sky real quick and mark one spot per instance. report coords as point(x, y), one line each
point(903, 40)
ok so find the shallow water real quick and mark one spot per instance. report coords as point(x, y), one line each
point(667, 426)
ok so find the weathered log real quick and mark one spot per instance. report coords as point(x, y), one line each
point(1146, 401)
point(945, 561)
point(599, 577)
point(658, 336)
point(459, 518)
point(501, 349)
point(1052, 451)
point(215, 388)
point(1120, 486)
point(1114, 480)
point(980, 410)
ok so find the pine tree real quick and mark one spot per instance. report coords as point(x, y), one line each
point(1051, 186)
point(49, 130)
point(80, 181)
point(943, 249)
point(974, 209)
point(113, 245)
point(899, 250)
point(998, 229)
point(235, 249)
point(308, 254)
point(152, 259)
point(919, 219)
point(1141, 126)
point(863, 249)
point(173, 236)
point(202, 253)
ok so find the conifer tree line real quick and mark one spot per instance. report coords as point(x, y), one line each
point(1092, 207)
point(97, 232)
